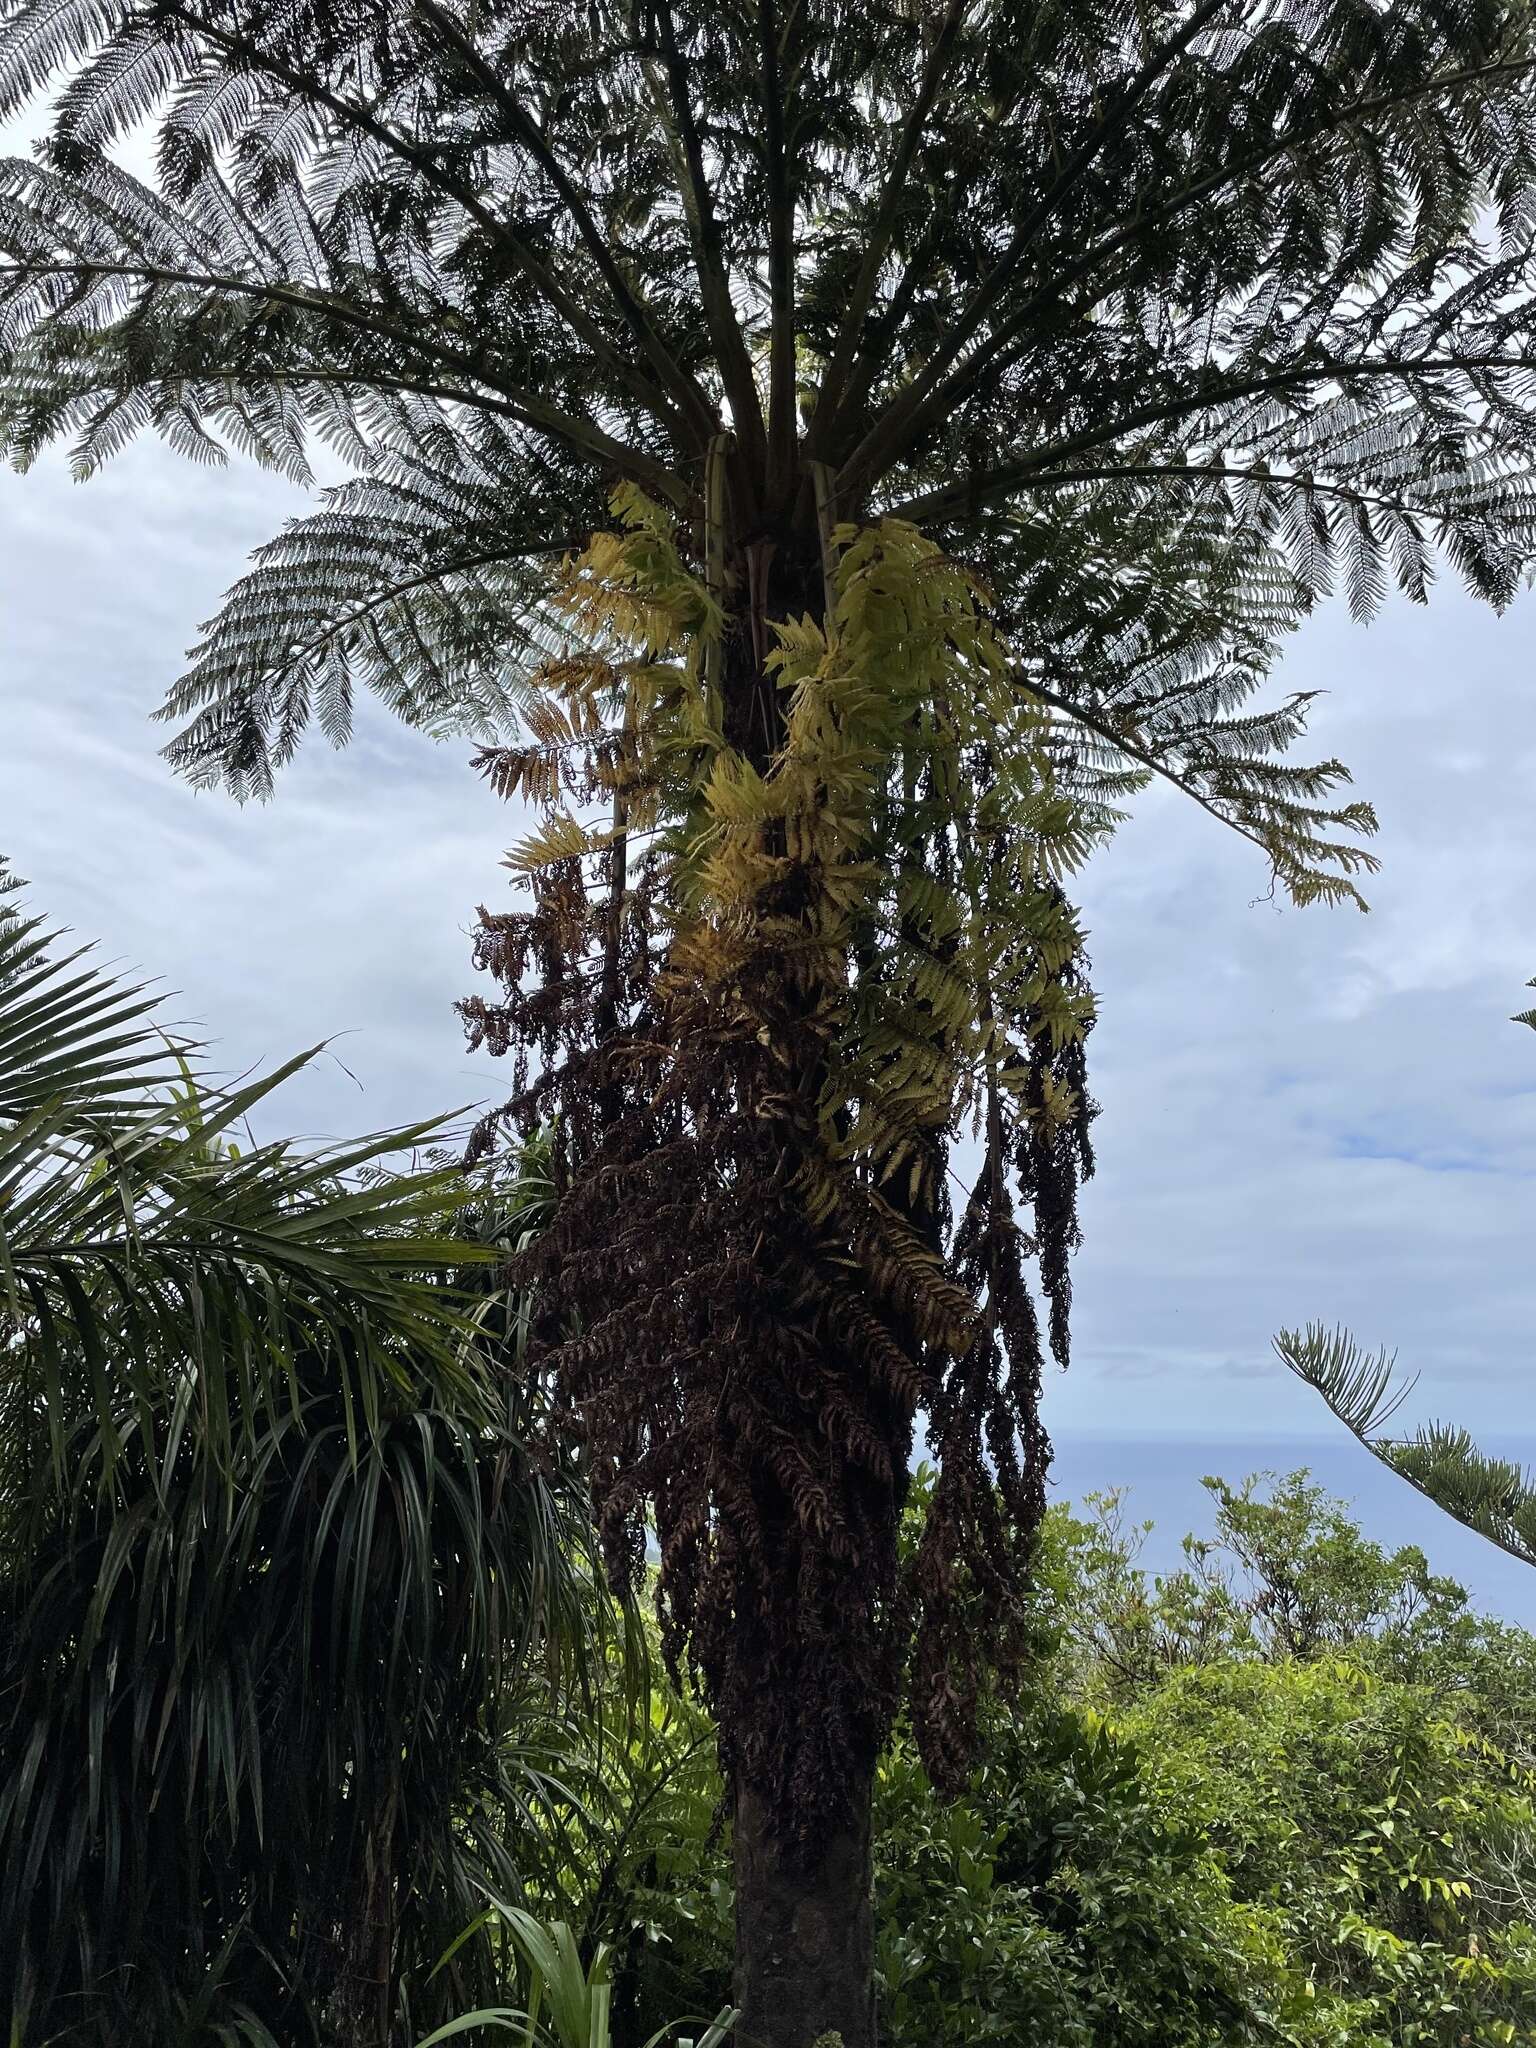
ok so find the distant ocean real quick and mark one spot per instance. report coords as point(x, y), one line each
point(1162, 1477)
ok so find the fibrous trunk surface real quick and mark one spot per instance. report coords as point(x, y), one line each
point(805, 1935)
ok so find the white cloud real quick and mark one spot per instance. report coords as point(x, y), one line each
point(1315, 1113)
point(340, 908)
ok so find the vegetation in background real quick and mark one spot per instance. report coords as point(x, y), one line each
point(287, 1571)
point(1282, 1794)
point(302, 1576)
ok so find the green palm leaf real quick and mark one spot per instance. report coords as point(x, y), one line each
point(1494, 1497)
point(279, 1538)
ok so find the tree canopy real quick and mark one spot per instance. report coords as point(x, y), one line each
point(1163, 317)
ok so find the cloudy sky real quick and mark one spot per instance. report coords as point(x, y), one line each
point(1305, 1114)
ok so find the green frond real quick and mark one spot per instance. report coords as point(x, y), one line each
point(1267, 332)
point(1494, 1497)
point(1358, 1386)
point(270, 1515)
point(414, 583)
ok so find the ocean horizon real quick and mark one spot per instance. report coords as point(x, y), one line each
point(1160, 1476)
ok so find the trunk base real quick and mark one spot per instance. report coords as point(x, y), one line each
point(805, 1931)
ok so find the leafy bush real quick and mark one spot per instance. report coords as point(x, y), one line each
point(285, 1535)
point(1375, 1832)
point(1060, 1900)
point(1224, 1815)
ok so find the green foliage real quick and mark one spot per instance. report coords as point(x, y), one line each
point(1057, 1900)
point(1318, 1846)
point(1368, 1826)
point(569, 2001)
point(1308, 1848)
point(1161, 321)
point(281, 1534)
point(576, 1996)
point(1287, 1573)
point(1170, 330)
point(903, 686)
point(1304, 1848)
point(793, 957)
point(1495, 1497)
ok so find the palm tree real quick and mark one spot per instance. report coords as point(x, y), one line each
point(283, 1540)
point(772, 317)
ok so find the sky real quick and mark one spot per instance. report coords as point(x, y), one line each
point(1305, 1113)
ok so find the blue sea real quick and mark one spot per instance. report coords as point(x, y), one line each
point(1161, 1476)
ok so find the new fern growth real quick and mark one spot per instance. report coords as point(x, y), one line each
point(771, 993)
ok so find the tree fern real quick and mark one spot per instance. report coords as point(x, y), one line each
point(1033, 273)
point(1146, 329)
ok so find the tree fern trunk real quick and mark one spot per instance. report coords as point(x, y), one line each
point(805, 1935)
point(804, 1911)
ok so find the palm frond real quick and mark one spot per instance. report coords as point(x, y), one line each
point(1357, 1385)
point(282, 1536)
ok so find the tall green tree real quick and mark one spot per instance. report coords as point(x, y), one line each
point(1157, 319)
point(279, 1533)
